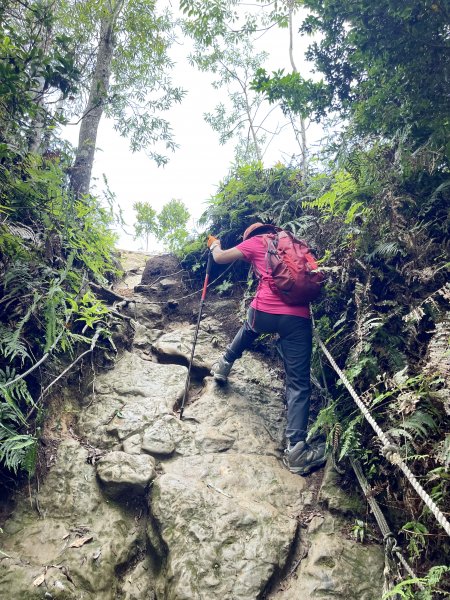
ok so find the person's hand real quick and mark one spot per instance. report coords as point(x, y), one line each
point(212, 242)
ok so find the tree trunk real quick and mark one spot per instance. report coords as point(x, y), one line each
point(38, 123)
point(252, 128)
point(82, 169)
point(303, 147)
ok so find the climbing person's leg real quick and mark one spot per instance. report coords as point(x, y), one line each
point(296, 346)
point(256, 323)
point(242, 341)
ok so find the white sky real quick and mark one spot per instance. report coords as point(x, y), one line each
point(199, 164)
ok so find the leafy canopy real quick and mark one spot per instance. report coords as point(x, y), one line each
point(386, 64)
point(168, 226)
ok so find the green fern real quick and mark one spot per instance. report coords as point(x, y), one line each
point(17, 283)
point(17, 277)
point(385, 250)
point(19, 328)
point(10, 346)
point(17, 451)
point(418, 425)
point(408, 588)
point(53, 317)
point(13, 396)
point(350, 436)
point(29, 458)
point(415, 533)
point(325, 421)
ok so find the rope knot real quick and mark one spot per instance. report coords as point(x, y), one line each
point(392, 453)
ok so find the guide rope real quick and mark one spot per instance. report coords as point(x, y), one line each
point(196, 291)
point(390, 543)
point(390, 451)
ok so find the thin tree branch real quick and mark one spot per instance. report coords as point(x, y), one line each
point(46, 355)
point(90, 349)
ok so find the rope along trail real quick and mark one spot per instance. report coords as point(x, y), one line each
point(192, 293)
point(390, 543)
point(390, 451)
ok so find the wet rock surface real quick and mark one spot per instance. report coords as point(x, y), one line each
point(334, 566)
point(219, 545)
point(128, 399)
point(142, 506)
point(125, 474)
point(76, 543)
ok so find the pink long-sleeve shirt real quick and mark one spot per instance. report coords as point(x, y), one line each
point(266, 300)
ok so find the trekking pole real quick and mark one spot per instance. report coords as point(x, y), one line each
point(200, 310)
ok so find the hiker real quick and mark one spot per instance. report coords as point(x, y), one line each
point(269, 314)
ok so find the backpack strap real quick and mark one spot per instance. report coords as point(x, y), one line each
point(270, 245)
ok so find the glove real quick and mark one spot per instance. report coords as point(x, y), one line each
point(212, 242)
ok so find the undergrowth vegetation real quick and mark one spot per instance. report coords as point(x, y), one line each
point(52, 245)
point(53, 242)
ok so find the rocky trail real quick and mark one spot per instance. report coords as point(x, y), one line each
point(138, 505)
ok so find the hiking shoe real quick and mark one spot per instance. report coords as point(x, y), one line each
point(302, 458)
point(221, 371)
point(317, 440)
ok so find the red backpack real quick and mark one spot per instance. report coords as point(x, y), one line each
point(289, 260)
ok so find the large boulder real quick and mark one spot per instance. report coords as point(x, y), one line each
point(76, 544)
point(125, 474)
point(127, 399)
point(246, 478)
point(250, 414)
point(210, 346)
point(144, 311)
point(166, 435)
point(219, 546)
point(177, 345)
point(335, 566)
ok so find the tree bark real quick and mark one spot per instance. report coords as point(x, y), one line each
point(38, 123)
point(303, 147)
point(252, 128)
point(81, 171)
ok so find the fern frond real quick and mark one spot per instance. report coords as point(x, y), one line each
point(17, 278)
point(11, 346)
point(13, 396)
point(15, 340)
point(54, 300)
point(350, 437)
point(419, 425)
point(17, 450)
point(325, 420)
point(385, 250)
point(337, 433)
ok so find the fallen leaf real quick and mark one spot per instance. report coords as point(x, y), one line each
point(39, 580)
point(81, 541)
point(66, 536)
